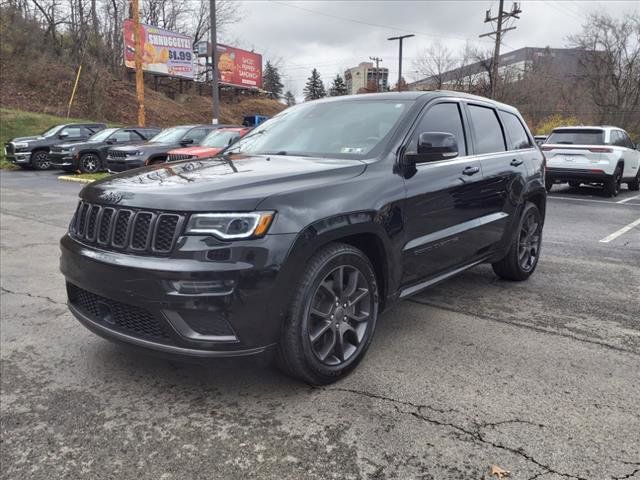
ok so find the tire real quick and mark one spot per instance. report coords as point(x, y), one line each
point(89, 163)
point(612, 184)
point(40, 160)
point(524, 251)
point(548, 184)
point(575, 184)
point(317, 346)
point(634, 185)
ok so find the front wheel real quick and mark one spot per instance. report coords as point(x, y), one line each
point(89, 163)
point(332, 316)
point(524, 252)
point(40, 160)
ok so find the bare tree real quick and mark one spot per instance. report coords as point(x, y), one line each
point(611, 64)
point(434, 62)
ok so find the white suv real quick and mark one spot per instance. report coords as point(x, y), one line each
point(603, 155)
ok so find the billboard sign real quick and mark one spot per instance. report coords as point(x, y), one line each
point(237, 67)
point(163, 52)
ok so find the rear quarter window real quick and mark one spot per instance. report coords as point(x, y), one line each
point(518, 138)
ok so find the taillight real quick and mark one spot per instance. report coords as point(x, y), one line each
point(596, 171)
point(600, 150)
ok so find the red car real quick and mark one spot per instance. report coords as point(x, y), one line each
point(212, 144)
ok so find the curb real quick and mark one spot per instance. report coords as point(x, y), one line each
point(69, 178)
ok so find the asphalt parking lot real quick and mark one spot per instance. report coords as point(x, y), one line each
point(541, 378)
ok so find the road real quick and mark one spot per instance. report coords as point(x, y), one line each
point(540, 378)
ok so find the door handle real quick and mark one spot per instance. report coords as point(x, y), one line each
point(515, 162)
point(470, 170)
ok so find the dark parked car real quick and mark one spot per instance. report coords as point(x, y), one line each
point(155, 150)
point(91, 156)
point(302, 232)
point(33, 152)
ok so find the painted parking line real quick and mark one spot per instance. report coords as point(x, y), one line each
point(580, 199)
point(622, 231)
point(625, 200)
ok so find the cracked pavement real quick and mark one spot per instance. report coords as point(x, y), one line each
point(541, 378)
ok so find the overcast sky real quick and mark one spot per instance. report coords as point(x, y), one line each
point(335, 35)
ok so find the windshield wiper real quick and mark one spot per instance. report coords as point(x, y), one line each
point(283, 153)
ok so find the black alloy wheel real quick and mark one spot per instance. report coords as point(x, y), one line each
point(529, 241)
point(89, 163)
point(331, 317)
point(613, 184)
point(339, 315)
point(40, 160)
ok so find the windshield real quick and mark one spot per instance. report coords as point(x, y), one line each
point(341, 129)
point(102, 135)
point(170, 135)
point(51, 131)
point(219, 138)
point(577, 137)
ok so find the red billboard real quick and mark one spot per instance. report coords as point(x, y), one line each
point(163, 52)
point(239, 67)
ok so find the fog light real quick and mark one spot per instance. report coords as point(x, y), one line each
point(208, 287)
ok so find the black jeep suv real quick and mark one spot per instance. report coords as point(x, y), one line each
point(33, 152)
point(301, 233)
point(91, 156)
point(155, 150)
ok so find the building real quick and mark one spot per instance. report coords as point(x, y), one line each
point(562, 62)
point(358, 78)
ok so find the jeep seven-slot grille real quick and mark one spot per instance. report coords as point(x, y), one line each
point(117, 154)
point(113, 228)
point(174, 157)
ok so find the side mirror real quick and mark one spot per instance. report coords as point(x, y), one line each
point(63, 135)
point(186, 141)
point(434, 146)
point(111, 141)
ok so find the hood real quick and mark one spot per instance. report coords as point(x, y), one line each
point(26, 139)
point(146, 147)
point(218, 184)
point(201, 152)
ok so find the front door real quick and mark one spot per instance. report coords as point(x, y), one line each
point(443, 200)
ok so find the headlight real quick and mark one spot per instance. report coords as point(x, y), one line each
point(21, 145)
point(229, 226)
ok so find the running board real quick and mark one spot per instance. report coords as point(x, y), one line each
point(420, 286)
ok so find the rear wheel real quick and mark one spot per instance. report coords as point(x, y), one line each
point(548, 184)
point(332, 316)
point(524, 252)
point(40, 160)
point(634, 185)
point(89, 163)
point(612, 184)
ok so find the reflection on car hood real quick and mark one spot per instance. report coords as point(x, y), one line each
point(26, 139)
point(145, 147)
point(218, 184)
point(199, 151)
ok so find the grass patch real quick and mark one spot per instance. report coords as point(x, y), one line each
point(92, 176)
point(19, 123)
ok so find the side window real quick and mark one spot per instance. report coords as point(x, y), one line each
point(123, 136)
point(614, 138)
point(196, 134)
point(74, 132)
point(626, 141)
point(487, 130)
point(93, 129)
point(518, 138)
point(442, 117)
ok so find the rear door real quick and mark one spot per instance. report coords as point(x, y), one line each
point(630, 154)
point(442, 200)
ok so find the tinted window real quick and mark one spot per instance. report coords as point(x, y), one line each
point(518, 138)
point(124, 136)
point(627, 140)
point(487, 131)
point(443, 117)
point(197, 134)
point(577, 137)
point(75, 132)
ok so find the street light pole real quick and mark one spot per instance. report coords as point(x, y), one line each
point(214, 64)
point(400, 39)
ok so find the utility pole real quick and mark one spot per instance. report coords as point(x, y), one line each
point(377, 60)
point(400, 39)
point(502, 15)
point(135, 14)
point(214, 64)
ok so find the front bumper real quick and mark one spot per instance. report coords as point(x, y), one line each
point(61, 160)
point(124, 164)
point(559, 175)
point(235, 309)
point(19, 158)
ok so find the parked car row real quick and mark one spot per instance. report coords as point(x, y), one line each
point(90, 148)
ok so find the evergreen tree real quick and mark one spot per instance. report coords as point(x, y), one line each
point(271, 80)
point(314, 88)
point(338, 87)
point(289, 99)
